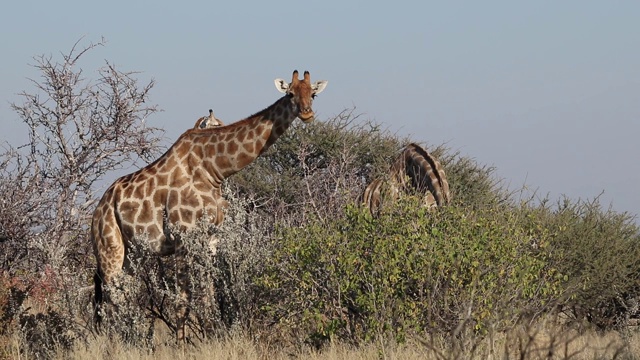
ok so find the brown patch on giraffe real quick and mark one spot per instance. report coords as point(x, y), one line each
point(187, 216)
point(160, 164)
point(189, 198)
point(140, 177)
point(138, 193)
point(232, 148)
point(160, 196)
point(128, 207)
point(126, 178)
point(259, 144)
point(152, 171)
point(172, 162)
point(163, 179)
point(106, 228)
point(149, 187)
point(210, 152)
point(244, 159)
point(173, 200)
point(220, 148)
point(249, 147)
point(178, 178)
point(202, 186)
point(105, 207)
point(264, 136)
point(127, 191)
point(241, 135)
point(198, 151)
point(198, 141)
point(229, 137)
point(223, 162)
point(174, 217)
point(183, 148)
point(146, 212)
point(201, 176)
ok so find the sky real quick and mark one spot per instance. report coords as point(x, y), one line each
point(548, 92)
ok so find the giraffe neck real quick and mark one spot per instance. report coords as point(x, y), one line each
point(227, 150)
point(274, 121)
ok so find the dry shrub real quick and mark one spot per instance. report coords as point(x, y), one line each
point(220, 279)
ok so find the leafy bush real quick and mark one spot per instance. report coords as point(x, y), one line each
point(599, 253)
point(409, 271)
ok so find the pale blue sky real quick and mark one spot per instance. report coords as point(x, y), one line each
point(548, 91)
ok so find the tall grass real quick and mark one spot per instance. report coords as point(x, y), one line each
point(544, 340)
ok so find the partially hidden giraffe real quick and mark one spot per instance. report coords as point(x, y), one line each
point(184, 184)
point(414, 169)
point(207, 122)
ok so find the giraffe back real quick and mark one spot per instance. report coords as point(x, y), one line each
point(425, 174)
point(414, 170)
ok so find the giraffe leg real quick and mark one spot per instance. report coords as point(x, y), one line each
point(217, 220)
point(98, 300)
point(103, 281)
point(184, 300)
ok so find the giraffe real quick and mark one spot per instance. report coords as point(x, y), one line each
point(184, 184)
point(207, 122)
point(413, 168)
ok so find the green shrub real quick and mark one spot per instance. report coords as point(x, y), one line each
point(409, 271)
point(599, 253)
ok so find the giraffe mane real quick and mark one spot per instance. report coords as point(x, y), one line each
point(238, 123)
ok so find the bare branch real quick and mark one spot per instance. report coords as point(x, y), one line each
point(79, 129)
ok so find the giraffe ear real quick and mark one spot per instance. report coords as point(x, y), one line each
point(318, 86)
point(281, 85)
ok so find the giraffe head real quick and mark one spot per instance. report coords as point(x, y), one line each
point(207, 122)
point(301, 93)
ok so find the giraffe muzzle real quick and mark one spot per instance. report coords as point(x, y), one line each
point(307, 116)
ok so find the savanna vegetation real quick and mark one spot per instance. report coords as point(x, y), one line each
point(301, 269)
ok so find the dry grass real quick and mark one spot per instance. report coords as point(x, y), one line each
point(540, 342)
point(548, 342)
